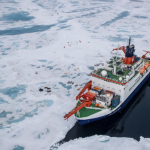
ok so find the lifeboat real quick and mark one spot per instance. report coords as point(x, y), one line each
point(146, 65)
point(142, 70)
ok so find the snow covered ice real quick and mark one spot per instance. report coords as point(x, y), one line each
point(48, 43)
point(106, 143)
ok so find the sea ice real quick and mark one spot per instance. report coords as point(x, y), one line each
point(48, 43)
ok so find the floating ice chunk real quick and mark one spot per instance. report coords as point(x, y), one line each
point(104, 139)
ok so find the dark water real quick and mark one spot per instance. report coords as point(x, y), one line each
point(133, 121)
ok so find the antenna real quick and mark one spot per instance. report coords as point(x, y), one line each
point(129, 40)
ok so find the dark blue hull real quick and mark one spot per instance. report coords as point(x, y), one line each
point(83, 122)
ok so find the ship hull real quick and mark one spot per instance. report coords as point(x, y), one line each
point(87, 121)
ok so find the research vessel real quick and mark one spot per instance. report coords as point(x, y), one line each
point(112, 86)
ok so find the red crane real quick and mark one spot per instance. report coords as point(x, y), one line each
point(87, 86)
point(120, 48)
point(145, 54)
point(88, 96)
point(81, 105)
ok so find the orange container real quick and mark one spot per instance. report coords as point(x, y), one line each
point(142, 70)
point(110, 92)
point(97, 88)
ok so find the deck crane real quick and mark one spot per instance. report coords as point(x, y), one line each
point(87, 86)
point(88, 97)
point(120, 48)
point(123, 48)
point(144, 56)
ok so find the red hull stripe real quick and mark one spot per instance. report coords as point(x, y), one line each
point(108, 79)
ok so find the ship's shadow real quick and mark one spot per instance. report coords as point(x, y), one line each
point(112, 125)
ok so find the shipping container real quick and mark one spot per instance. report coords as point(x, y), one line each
point(137, 58)
point(115, 101)
point(97, 89)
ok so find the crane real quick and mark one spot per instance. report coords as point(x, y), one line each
point(120, 48)
point(81, 105)
point(87, 86)
point(88, 97)
point(144, 56)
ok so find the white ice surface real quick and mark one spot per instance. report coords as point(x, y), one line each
point(106, 143)
point(39, 43)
